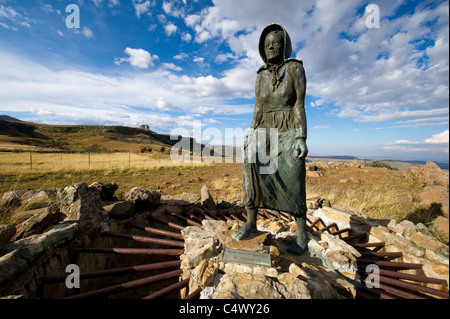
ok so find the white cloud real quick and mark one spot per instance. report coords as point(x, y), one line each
point(180, 56)
point(321, 127)
point(141, 7)
point(113, 3)
point(138, 58)
point(211, 121)
point(199, 59)
point(186, 37)
point(162, 104)
point(11, 19)
point(171, 9)
point(440, 138)
point(436, 144)
point(87, 32)
point(211, 23)
point(140, 97)
point(192, 19)
point(170, 29)
point(97, 2)
point(342, 56)
point(171, 66)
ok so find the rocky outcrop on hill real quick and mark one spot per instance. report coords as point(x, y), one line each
point(434, 194)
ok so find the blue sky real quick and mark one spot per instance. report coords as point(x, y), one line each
point(173, 64)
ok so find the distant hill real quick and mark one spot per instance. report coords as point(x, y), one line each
point(93, 138)
point(9, 118)
point(399, 164)
point(340, 157)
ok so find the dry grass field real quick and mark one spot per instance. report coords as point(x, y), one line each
point(376, 192)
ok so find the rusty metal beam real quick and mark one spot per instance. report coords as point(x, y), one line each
point(186, 220)
point(130, 251)
point(357, 236)
point(393, 264)
point(206, 215)
point(195, 294)
point(227, 218)
point(235, 217)
point(193, 217)
point(398, 292)
point(396, 254)
point(402, 275)
point(163, 292)
point(114, 271)
point(127, 285)
point(411, 286)
point(339, 232)
point(314, 223)
point(167, 223)
point(328, 227)
point(266, 214)
point(157, 231)
point(145, 239)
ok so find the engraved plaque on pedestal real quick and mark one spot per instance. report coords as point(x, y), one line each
point(246, 257)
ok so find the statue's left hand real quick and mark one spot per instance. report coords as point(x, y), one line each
point(301, 150)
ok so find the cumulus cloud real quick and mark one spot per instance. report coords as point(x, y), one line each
point(440, 138)
point(141, 97)
point(170, 29)
point(173, 9)
point(371, 75)
point(141, 6)
point(437, 143)
point(137, 58)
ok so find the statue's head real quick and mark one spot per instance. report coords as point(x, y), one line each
point(274, 44)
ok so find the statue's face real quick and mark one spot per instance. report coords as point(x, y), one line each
point(273, 47)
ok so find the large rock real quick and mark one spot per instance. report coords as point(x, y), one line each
point(143, 199)
point(335, 254)
point(120, 210)
point(81, 203)
point(251, 286)
point(36, 224)
point(429, 175)
point(433, 194)
point(21, 255)
point(6, 233)
point(206, 198)
point(106, 190)
point(199, 244)
point(343, 219)
point(398, 242)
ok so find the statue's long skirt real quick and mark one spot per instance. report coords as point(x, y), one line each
point(274, 180)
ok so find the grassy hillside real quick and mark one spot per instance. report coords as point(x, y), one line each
point(41, 137)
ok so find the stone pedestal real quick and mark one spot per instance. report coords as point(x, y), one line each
point(288, 277)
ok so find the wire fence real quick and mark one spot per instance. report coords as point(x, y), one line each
point(12, 162)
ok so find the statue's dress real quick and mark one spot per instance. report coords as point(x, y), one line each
point(280, 93)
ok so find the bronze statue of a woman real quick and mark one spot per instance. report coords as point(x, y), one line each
point(280, 96)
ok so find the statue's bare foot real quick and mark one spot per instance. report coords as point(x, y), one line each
point(295, 249)
point(247, 231)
